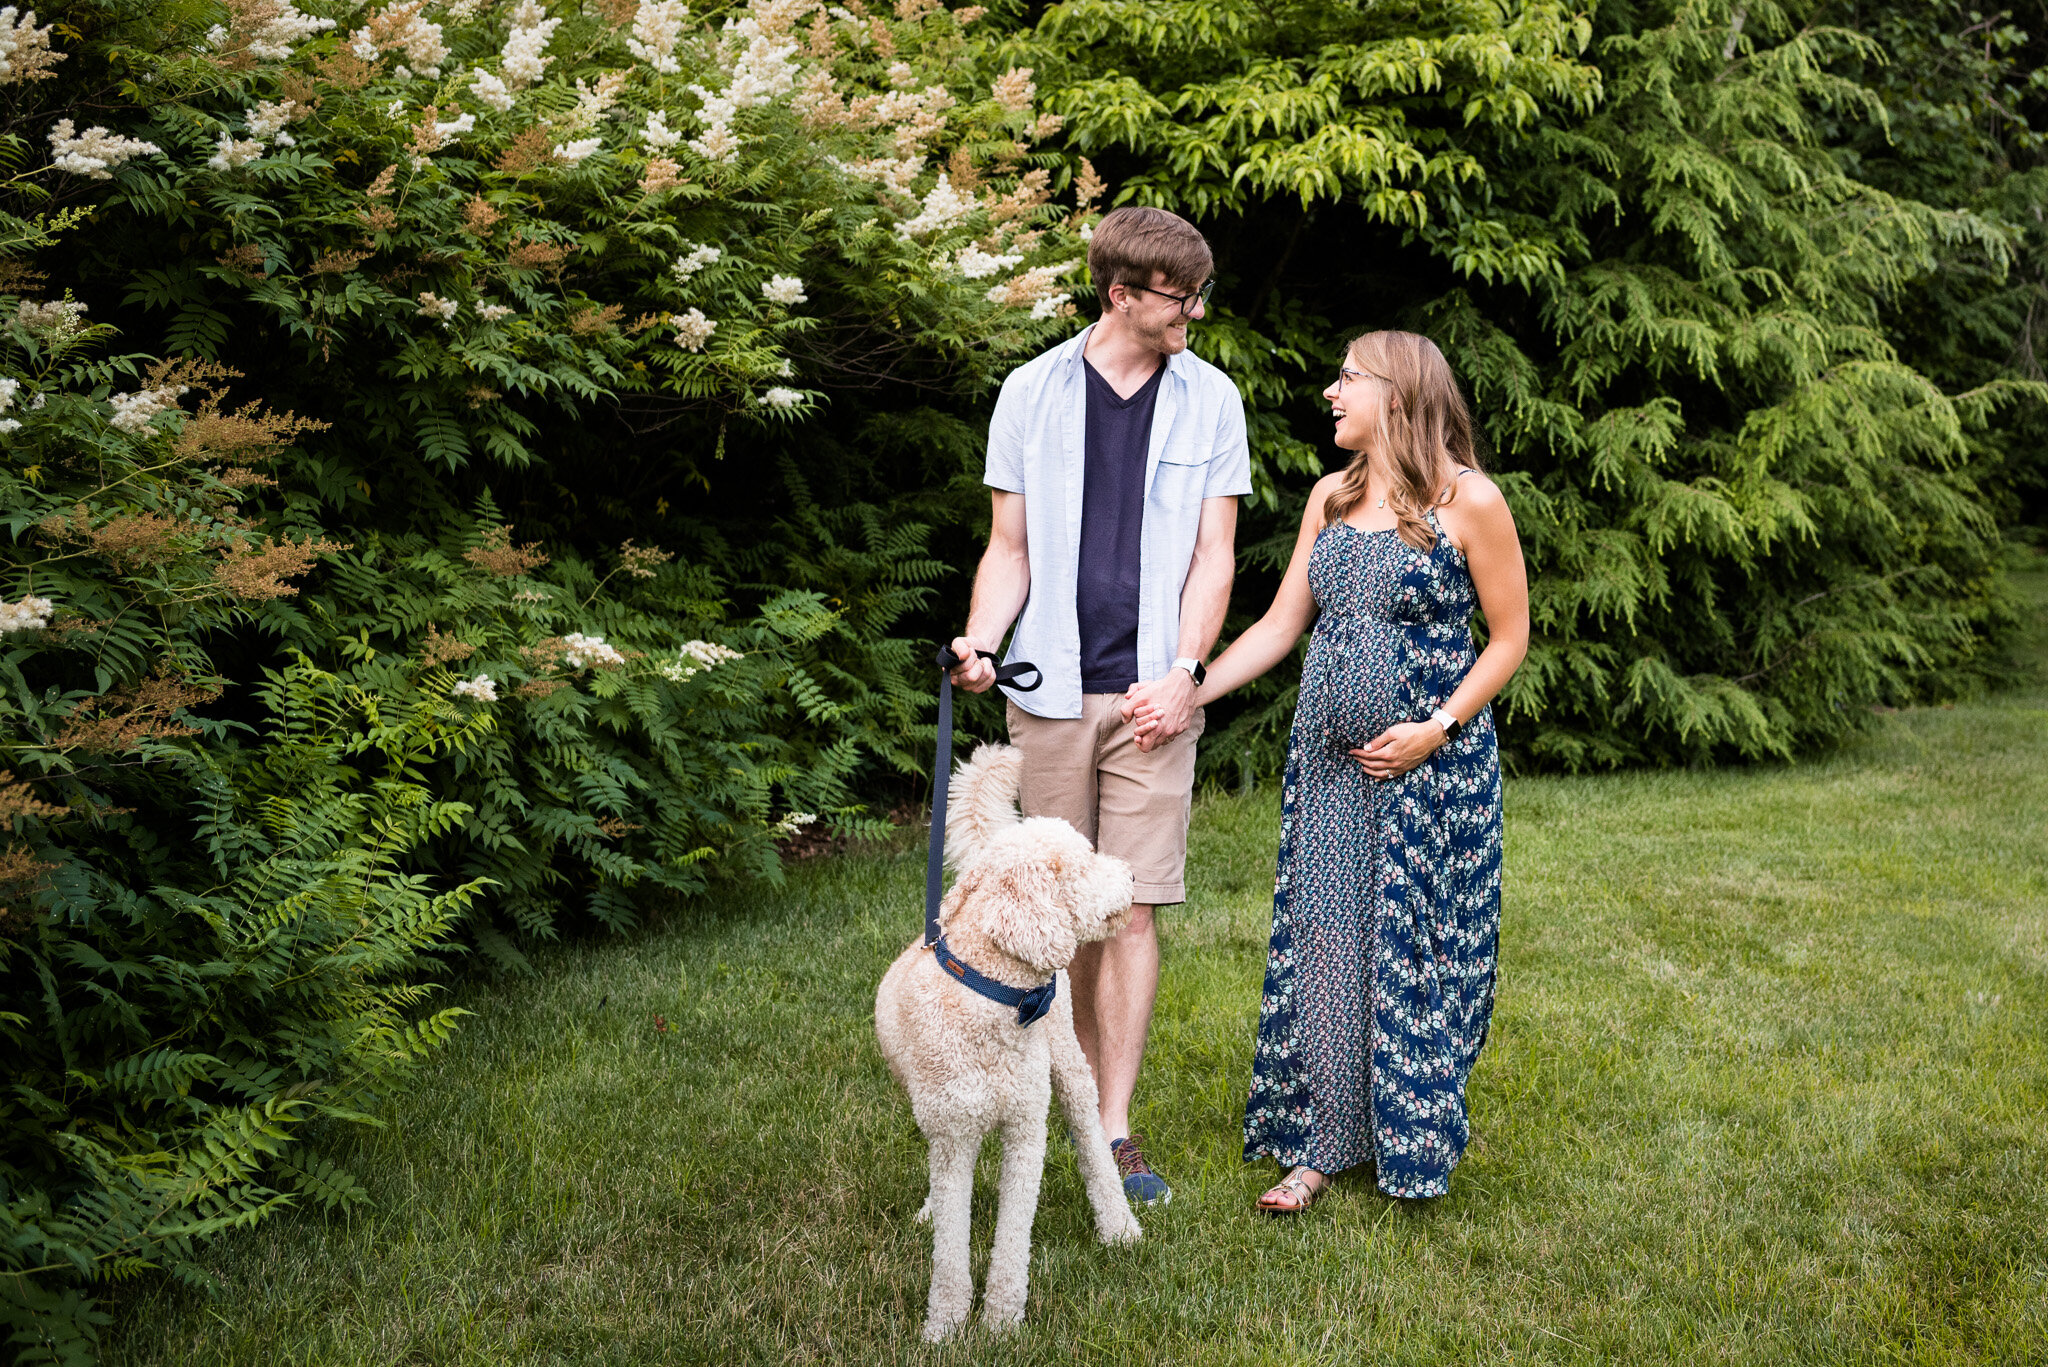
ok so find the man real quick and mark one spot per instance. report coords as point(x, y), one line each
point(1116, 460)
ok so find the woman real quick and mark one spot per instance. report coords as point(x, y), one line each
point(1386, 909)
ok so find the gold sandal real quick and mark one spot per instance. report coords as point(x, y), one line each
point(1301, 1195)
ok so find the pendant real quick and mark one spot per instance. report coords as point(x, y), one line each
point(1383, 503)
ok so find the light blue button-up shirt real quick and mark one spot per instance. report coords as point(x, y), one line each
point(1036, 448)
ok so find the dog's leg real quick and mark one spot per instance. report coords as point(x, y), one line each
point(951, 1202)
point(1074, 1082)
point(1009, 1260)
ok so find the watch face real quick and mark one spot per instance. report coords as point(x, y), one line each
point(1201, 673)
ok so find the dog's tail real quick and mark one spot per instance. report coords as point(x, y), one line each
point(983, 800)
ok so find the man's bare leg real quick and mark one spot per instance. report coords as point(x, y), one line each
point(1115, 983)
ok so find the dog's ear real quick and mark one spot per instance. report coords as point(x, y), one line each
point(1021, 910)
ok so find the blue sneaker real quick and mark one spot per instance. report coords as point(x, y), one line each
point(1142, 1186)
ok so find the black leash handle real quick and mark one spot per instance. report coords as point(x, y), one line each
point(942, 771)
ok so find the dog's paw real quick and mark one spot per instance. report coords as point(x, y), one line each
point(1129, 1232)
point(938, 1330)
point(924, 1212)
point(1001, 1320)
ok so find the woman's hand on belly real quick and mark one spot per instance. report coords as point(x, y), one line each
point(1399, 748)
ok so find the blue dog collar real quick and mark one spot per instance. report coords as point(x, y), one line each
point(1031, 1003)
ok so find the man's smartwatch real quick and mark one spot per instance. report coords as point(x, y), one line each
point(1197, 671)
point(1451, 725)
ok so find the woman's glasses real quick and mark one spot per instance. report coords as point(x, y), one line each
point(1345, 375)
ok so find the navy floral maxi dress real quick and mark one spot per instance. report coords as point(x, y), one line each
point(1386, 904)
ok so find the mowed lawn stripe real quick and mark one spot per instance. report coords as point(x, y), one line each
point(1767, 1084)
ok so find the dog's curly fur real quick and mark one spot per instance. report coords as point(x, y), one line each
point(1029, 893)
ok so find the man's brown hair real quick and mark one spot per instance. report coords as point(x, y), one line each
point(1133, 242)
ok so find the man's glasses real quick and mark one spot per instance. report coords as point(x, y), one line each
point(1187, 302)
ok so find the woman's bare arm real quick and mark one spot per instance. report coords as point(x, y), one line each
point(1269, 640)
point(1479, 523)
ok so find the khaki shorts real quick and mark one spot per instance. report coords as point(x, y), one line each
point(1132, 804)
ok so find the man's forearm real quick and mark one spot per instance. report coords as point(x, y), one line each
point(1001, 585)
point(1204, 601)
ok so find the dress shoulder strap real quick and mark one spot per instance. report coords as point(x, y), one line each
point(1463, 470)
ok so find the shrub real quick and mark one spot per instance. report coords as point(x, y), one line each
point(1748, 518)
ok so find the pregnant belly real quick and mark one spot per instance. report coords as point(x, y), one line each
point(1352, 679)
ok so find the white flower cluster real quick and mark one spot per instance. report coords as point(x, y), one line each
point(30, 614)
point(482, 688)
point(422, 42)
point(433, 305)
point(232, 154)
point(591, 103)
point(573, 153)
point(782, 398)
point(657, 24)
point(693, 656)
point(490, 90)
point(944, 207)
point(95, 153)
point(794, 822)
point(697, 258)
point(901, 76)
point(491, 313)
point(784, 290)
point(975, 264)
point(57, 321)
point(273, 41)
point(1034, 287)
point(132, 412)
point(9, 387)
point(403, 26)
point(584, 651)
point(657, 134)
point(445, 133)
point(764, 70)
point(693, 329)
point(462, 11)
point(269, 117)
point(525, 52)
point(21, 42)
point(893, 174)
point(1048, 307)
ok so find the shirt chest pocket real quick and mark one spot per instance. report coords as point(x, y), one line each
point(1178, 480)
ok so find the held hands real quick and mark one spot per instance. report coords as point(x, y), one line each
point(976, 675)
point(1160, 709)
point(1399, 748)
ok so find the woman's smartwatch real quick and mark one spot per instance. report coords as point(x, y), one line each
point(1451, 725)
point(1197, 671)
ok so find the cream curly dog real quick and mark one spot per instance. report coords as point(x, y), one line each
point(1029, 893)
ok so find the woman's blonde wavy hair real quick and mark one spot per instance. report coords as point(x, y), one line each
point(1428, 432)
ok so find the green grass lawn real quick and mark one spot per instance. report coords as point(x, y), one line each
point(1767, 1083)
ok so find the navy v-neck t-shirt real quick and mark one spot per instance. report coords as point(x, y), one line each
point(1119, 438)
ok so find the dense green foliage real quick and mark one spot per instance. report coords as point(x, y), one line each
point(640, 361)
point(208, 942)
point(298, 701)
point(1640, 238)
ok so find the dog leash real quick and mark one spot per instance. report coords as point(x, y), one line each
point(1030, 1003)
point(942, 770)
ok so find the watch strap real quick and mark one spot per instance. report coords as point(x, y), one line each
point(1197, 671)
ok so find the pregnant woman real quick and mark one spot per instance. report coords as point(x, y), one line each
point(1386, 907)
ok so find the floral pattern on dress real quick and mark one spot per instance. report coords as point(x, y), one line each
point(1386, 897)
